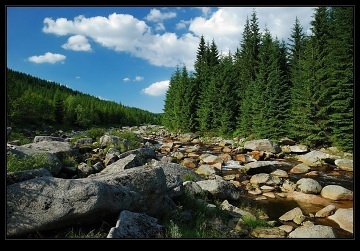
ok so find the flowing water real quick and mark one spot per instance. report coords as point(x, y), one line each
point(328, 175)
point(274, 208)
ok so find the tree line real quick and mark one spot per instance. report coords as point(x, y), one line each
point(267, 88)
point(33, 102)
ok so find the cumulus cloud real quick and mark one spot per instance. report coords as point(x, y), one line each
point(155, 15)
point(77, 43)
point(125, 33)
point(126, 79)
point(226, 24)
point(205, 10)
point(157, 88)
point(182, 24)
point(77, 77)
point(280, 20)
point(48, 57)
point(160, 27)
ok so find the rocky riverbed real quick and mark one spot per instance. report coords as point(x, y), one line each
point(304, 192)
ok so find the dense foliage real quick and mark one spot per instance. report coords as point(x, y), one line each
point(270, 89)
point(35, 103)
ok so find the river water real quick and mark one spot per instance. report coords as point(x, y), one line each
point(328, 175)
point(274, 208)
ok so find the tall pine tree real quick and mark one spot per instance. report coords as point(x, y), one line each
point(341, 87)
point(247, 61)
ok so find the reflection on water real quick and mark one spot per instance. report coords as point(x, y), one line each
point(274, 208)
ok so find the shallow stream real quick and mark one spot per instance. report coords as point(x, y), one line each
point(274, 208)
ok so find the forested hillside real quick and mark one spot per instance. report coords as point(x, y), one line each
point(35, 103)
point(267, 88)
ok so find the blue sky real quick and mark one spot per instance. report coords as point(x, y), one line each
point(128, 54)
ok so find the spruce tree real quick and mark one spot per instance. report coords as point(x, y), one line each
point(296, 122)
point(247, 62)
point(58, 108)
point(321, 69)
point(207, 97)
point(170, 119)
point(342, 76)
point(227, 98)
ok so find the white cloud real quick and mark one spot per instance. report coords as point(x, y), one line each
point(155, 15)
point(120, 32)
point(223, 26)
point(48, 57)
point(169, 50)
point(157, 88)
point(77, 43)
point(281, 20)
point(126, 79)
point(222, 23)
point(205, 10)
point(77, 77)
point(182, 24)
point(138, 78)
point(160, 27)
point(226, 24)
point(125, 33)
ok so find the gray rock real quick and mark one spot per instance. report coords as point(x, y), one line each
point(136, 225)
point(315, 231)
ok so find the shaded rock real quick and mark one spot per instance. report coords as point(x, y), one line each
point(264, 166)
point(48, 203)
point(15, 177)
point(220, 189)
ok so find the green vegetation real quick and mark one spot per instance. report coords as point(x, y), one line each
point(81, 233)
point(270, 89)
point(64, 107)
point(95, 133)
point(69, 161)
point(20, 137)
point(16, 164)
point(188, 177)
point(91, 231)
point(254, 222)
point(201, 224)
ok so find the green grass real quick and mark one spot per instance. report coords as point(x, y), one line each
point(19, 137)
point(95, 133)
point(15, 164)
point(201, 223)
point(254, 222)
point(81, 233)
point(69, 161)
